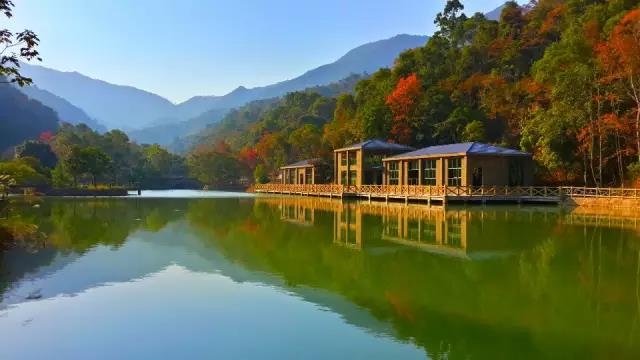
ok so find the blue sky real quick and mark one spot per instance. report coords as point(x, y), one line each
point(180, 49)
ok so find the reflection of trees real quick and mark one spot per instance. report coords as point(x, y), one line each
point(75, 226)
point(526, 299)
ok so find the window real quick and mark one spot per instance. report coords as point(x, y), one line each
point(429, 172)
point(454, 172)
point(308, 177)
point(343, 178)
point(413, 172)
point(394, 173)
point(353, 158)
point(353, 175)
point(343, 158)
point(292, 176)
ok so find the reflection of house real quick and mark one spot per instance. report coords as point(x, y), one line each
point(347, 227)
point(361, 164)
point(297, 214)
point(311, 171)
point(467, 164)
point(435, 231)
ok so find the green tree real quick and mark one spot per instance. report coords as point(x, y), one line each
point(39, 150)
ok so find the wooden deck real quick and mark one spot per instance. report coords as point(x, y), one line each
point(448, 194)
point(429, 194)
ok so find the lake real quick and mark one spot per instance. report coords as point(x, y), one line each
point(218, 275)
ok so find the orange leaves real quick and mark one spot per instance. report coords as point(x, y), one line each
point(404, 103)
point(404, 97)
point(620, 55)
point(248, 156)
point(552, 21)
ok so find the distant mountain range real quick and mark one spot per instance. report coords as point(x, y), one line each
point(367, 58)
point(125, 107)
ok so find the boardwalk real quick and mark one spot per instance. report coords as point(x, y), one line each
point(448, 194)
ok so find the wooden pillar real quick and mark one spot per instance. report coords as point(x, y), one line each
point(419, 171)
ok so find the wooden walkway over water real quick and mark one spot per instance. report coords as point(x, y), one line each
point(448, 194)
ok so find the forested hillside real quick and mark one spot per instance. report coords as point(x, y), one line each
point(557, 78)
point(22, 118)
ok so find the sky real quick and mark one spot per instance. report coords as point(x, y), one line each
point(183, 48)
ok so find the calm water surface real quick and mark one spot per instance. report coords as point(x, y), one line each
point(232, 276)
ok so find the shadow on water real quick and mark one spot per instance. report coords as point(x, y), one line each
point(494, 282)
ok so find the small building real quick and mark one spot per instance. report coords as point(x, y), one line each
point(361, 163)
point(466, 164)
point(311, 171)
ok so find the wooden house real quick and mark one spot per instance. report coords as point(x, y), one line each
point(465, 164)
point(361, 163)
point(311, 171)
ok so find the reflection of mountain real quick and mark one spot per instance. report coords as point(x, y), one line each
point(540, 300)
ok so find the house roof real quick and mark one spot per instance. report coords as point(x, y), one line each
point(303, 163)
point(461, 148)
point(377, 145)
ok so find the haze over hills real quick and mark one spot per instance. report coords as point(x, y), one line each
point(67, 112)
point(114, 106)
point(126, 107)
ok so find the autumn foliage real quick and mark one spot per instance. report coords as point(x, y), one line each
point(404, 103)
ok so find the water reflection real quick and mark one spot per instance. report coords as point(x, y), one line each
point(495, 282)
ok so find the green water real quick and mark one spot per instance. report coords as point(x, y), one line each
point(236, 277)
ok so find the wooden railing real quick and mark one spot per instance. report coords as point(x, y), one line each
point(585, 192)
point(455, 191)
point(414, 190)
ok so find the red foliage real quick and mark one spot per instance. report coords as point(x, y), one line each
point(403, 102)
point(248, 156)
point(46, 137)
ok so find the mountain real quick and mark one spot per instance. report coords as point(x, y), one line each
point(22, 118)
point(152, 118)
point(366, 58)
point(165, 134)
point(67, 112)
point(114, 106)
point(495, 13)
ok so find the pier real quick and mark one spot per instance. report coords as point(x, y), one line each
point(442, 195)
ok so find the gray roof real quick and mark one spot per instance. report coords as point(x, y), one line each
point(462, 148)
point(377, 145)
point(304, 163)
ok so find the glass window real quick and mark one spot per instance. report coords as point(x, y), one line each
point(343, 159)
point(343, 178)
point(429, 172)
point(394, 173)
point(353, 158)
point(308, 178)
point(454, 172)
point(413, 172)
point(353, 175)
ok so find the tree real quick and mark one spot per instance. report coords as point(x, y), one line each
point(87, 161)
point(23, 171)
point(474, 131)
point(620, 57)
point(14, 48)
point(306, 142)
point(404, 102)
point(272, 151)
point(213, 168)
point(39, 150)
